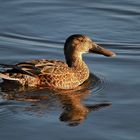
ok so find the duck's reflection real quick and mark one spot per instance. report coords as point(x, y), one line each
point(74, 110)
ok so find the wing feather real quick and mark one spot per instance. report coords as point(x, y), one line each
point(38, 67)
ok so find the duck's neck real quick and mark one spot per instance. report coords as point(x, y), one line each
point(78, 66)
point(74, 60)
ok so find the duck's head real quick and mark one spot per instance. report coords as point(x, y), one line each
point(78, 44)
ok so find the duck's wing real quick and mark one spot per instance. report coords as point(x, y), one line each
point(23, 68)
point(43, 67)
point(32, 68)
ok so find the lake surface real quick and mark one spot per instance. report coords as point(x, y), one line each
point(109, 106)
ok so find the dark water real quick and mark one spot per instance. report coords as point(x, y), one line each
point(109, 107)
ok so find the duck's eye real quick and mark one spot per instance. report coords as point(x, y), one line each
point(82, 40)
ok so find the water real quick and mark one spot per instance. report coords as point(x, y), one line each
point(109, 107)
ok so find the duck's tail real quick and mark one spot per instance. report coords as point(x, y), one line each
point(7, 70)
point(22, 68)
point(7, 77)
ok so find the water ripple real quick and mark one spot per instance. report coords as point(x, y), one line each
point(18, 38)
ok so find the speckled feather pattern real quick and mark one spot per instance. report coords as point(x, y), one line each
point(64, 77)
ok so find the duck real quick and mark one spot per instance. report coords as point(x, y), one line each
point(56, 74)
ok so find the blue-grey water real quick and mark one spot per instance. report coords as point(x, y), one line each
point(110, 107)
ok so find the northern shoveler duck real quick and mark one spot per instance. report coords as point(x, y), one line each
point(53, 73)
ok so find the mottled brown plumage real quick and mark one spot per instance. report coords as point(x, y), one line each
point(53, 73)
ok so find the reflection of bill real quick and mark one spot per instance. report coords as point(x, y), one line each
point(77, 115)
point(74, 111)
